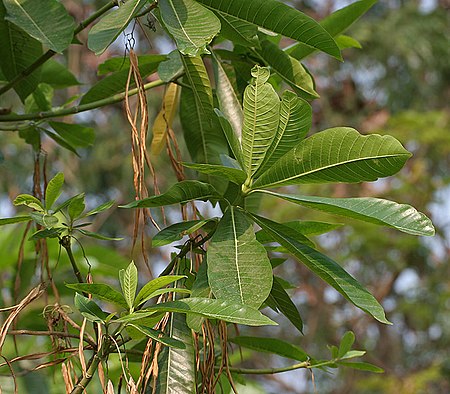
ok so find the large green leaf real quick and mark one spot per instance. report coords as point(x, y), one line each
point(53, 190)
point(261, 117)
point(335, 24)
point(75, 134)
point(326, 269)
point(238, 31)
point(216, 309)
point(149, 288)
point(115, 83)
point(239, 270)
point(231, 137)
point(128, 282)
point(159, 336)
point(15, 219)
point(373, 210)
point(235, 175)
point(101, 291)
point(177, 231)
point(55, 32)
point(203, 136)
point(190, 24)
point(288, 68)
point(295, 122)
point(89, 309)
point(337, 155)
point(200, 288)
point(112, 24)
point(279, 18)
point(271, 345)
point(179, 193)
point(56, 75)
point(17, 52)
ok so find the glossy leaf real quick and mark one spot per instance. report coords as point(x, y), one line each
point(180, 193)
point(337, 155)
point(75, 134)
point(295, 122)
point(288, 68)
point(111, 25)
point(239, 270)
point(149, 288)
point(326, 269)
point(128, 282)
point(190, 24)
point(16, 219)
point(373, 210)
point(17, 52)
point(234, 175)
point(177, 231)
point(261, 117)
point(271, 345)
point(238, 31)
point(89, 309)
point(216, 309)
point(28, 200)
point(101, 291)
point(53, 190)
point(158, 336)
point(279, 18)
point(231, 137)
point(33, 17)
point(164, 119)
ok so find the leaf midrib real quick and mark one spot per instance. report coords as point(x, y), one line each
point(179, 22)
point(236, 255)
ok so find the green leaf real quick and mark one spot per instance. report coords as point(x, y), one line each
point(149, 288)
point(271, 345)
point(231, 137)
point(177, 231)
point(44, 219)
point(279, 18)
point(98, 236)
point(335, 24)
point(171, 68)
point(337, 155)
point(239, 270)
point(60, 141)
point(101, 291)
point(200, 289)
point(346, 344)
point(33, 17)
point(76, 135)
point(288, 68)
point(295, 122)
point(238, 31)
point(40, 100)
point(291, 230)
point(53, 190)
point(352, 354)
point(120, 63)
point(17, 52)
point(128, 281)
point(159, 336)
point(373, 210)
point(180, 193)
point(229, 103)
point(100, 208)
point(234, 175)
point(76, 207)
point(326, 269)
point(216, 309)
point(28, 200)
point(190, 24)
point(47, 233)
point(116, 82)
point(285, 305)
point(203, 138)
point(345, 42)
point(56, 75)
point(89, 309)
point(16, 219)
point(111, 25)
point(362, 366)
point(261, 117)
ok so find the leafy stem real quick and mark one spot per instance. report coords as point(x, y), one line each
point(66, 244)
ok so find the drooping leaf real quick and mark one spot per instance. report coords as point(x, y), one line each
point(120, 63)
point(373, 210)
point(284, 304)
point(279, 18)
point(231, 137)
point(128, 282)
point(203, 137)
point(326, 269)
point(164, 119)
point(33, 17)
point(337, 155)
point(292, 230)
point(101, 291)
point(60, 141)
point(75, 134)
point(271, 345)
point(111, 25)
point(190, 24)
point(89, 309)
point(56, 75)
point(100, 208)
point(115, 83)
point(98, 236)
point(215, 309)
point(288, 68)
point(155, 284)
point(238, 31)
point(53, 190)
point(177, 231)
point(16, 219)
point(261, 117)
point(335, 24)
point(235, 175)
point(295, 121)
point(76, 207)
point(47, 233)
point(159, 336)
point(28, 200)
point(179, 193)
point(17, 52)
point(239, 270)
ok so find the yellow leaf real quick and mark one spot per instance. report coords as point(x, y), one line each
point(164, 119)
